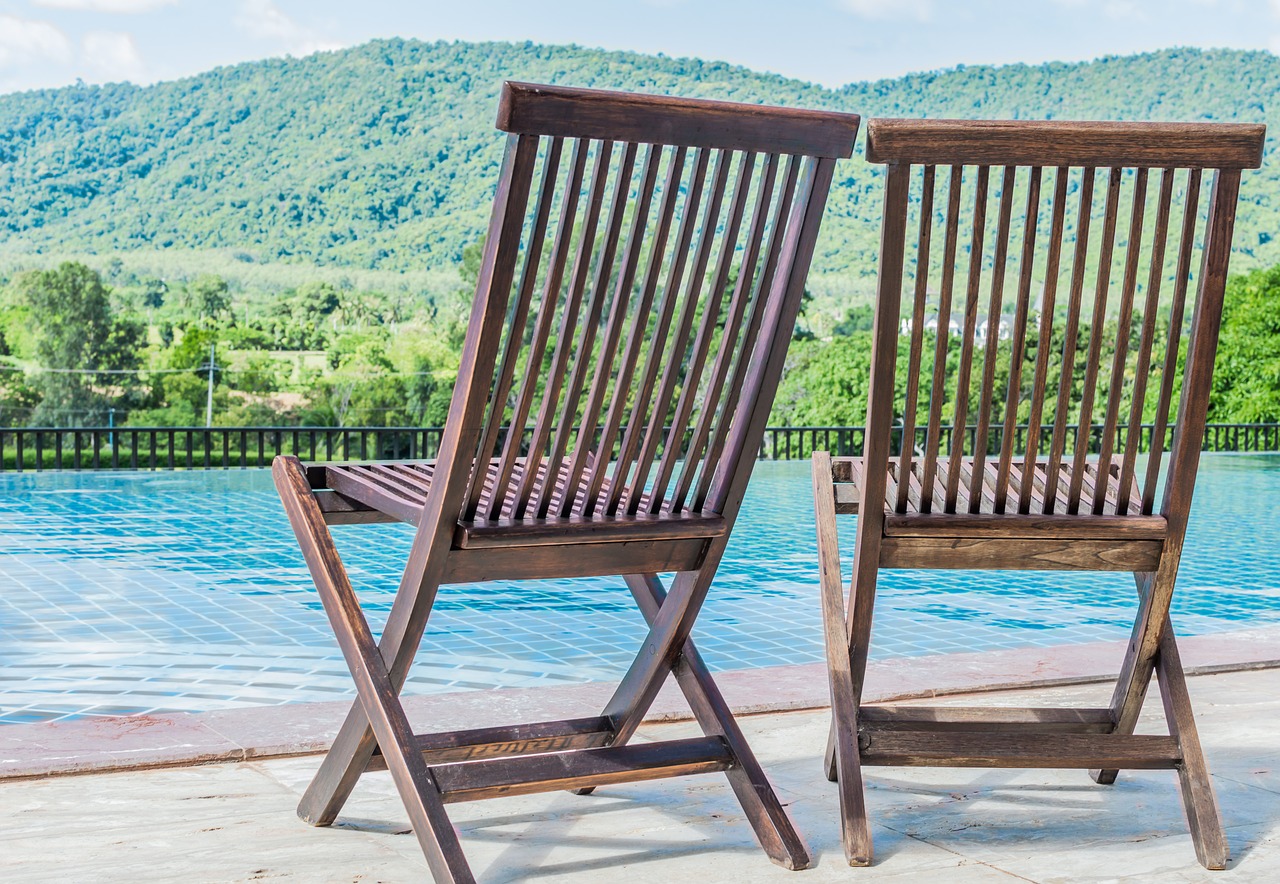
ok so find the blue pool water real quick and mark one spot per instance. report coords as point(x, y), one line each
point(143, 592)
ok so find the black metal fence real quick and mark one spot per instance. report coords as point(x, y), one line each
point(187, 448)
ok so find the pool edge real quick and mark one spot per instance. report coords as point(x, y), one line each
point(102, 745)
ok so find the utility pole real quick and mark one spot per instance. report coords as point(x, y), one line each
point(208, 407)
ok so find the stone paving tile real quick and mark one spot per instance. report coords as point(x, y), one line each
point(236, 822)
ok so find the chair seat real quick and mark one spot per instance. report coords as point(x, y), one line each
point(364, 492)
point(1084, 525)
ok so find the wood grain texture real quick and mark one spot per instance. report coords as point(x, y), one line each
point(985, 719)
point(606, 766)
point(1066, 143)
point(1019, 554)
point(1020, 750)
point(510, 740)
point(621, 116)
point(855, 828)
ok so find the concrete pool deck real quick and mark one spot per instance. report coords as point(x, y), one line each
point(235, 822)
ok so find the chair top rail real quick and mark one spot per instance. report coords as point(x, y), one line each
point(532, 109)
point(1066, 143)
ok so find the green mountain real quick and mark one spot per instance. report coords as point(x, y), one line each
point(383, 157)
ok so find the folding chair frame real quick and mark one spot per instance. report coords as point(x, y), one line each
point(982, 534)
point(454, 543)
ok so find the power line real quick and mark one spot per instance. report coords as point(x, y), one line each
point(336, 373)
point(97, 370)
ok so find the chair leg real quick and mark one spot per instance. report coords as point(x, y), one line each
point(1133, 682)
point(343, 765)
point(844, 763)
point(843, 633)
point(349, 755)
point(668, 630)
point(769, 819)
point(829, 756)
point(1198, 796)
point(378, 699)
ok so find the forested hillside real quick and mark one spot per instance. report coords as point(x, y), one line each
point(312, 224)
point(383, 157)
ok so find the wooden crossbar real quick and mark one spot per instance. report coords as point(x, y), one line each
point(585, 768)
point(1049, 719)
point(520, 739)
point(1030, 750)
point(1066, 142)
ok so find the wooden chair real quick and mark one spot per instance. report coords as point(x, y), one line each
point(1027, 452)
point(640, 282)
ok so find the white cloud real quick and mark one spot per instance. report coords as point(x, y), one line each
point(26, 41)
point(920, 10)
point(1127, 10)
point(113, 56)
point(263, 20)
point(121, 7)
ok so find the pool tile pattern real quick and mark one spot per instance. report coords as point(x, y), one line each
point(162, 592)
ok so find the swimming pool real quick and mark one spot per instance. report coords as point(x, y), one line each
point(147, 592)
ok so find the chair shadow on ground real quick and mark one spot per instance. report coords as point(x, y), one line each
point(908, 806)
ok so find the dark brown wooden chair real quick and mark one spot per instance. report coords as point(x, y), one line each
point(1031, 450)
point(640, 282)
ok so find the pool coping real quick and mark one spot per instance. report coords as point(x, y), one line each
point(99, 745)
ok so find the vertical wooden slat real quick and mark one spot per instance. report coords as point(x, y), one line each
point(1097, 322)
point(1142, 369)
point(937, 390)
point(1070, 334)
point(617, 320)
point(515, 332)
point(690, 392)
point(671, 372)
point(1014, 391)
point(586, 341)
point(969, 325)
point(746, 345)
point(995, 307)
point(639, 325)
point(1044, 340)
point(658, 336)
point(912, 401)
point(765, 359)
point(568, 322)
point(542, 326)
point(738, 305)
point(1120, 357)
point(1190, 221)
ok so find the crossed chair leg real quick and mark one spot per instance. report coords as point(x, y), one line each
point(1100, 740)
point(430, 770)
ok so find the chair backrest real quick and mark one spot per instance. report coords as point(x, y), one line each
point(639, 285)
point(1037, 277)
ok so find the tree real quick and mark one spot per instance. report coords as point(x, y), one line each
point(208, 297)
point(1246, 380)
point(73, 331)
point(153, 292)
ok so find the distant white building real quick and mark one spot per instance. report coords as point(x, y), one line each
point(955, 325)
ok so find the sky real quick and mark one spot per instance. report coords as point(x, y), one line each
point(55, 42)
